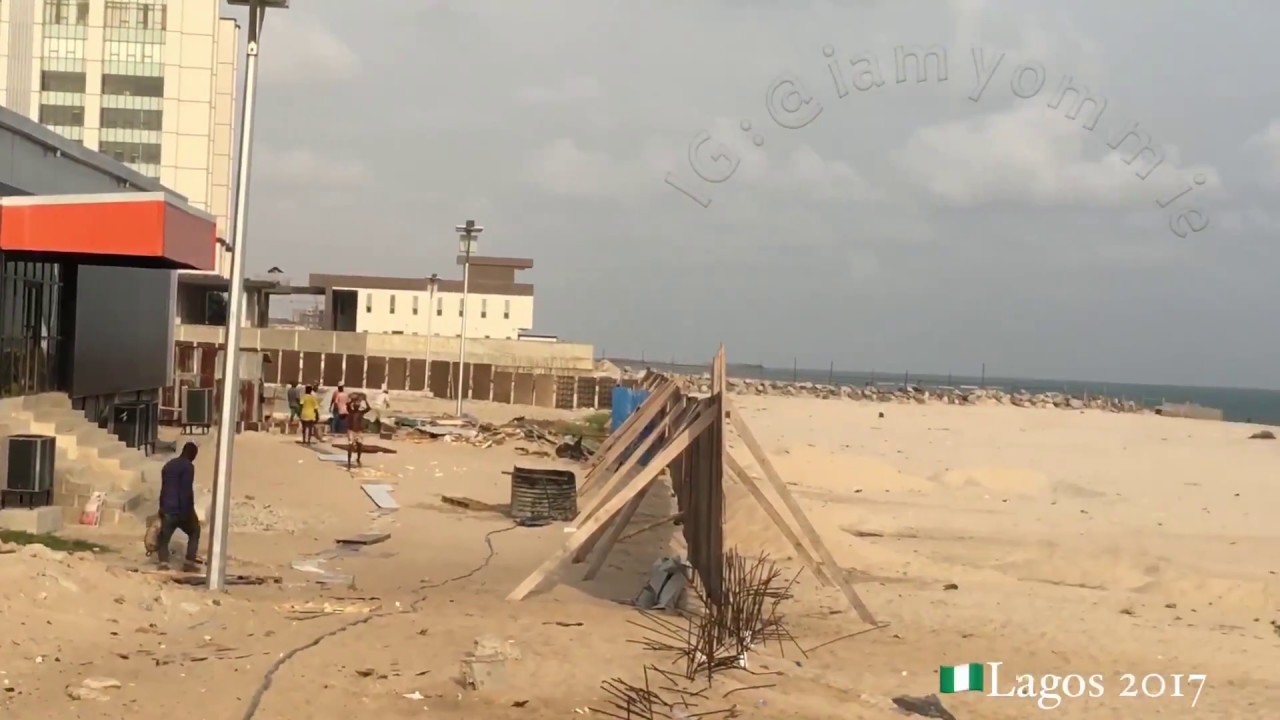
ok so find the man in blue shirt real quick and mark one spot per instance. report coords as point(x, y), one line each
point(178, 507)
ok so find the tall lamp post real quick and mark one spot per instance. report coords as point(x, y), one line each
point(467, 234)
point(431, 313)
point(228, 409)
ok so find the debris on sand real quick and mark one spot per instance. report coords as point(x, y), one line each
point(1263, 435)
point(470, 431)
point(927, 706)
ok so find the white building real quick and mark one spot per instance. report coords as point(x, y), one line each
point(150, 83)
point(500, 307)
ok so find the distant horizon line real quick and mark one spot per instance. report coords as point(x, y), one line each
point(990, 379)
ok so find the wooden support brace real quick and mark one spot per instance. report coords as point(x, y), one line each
point(802, 521)
point(753, 486)
point(610, 539)
point(674, 421)
point(642, 480)
point(618, 442)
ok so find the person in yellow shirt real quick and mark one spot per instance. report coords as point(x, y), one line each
point(310, 413)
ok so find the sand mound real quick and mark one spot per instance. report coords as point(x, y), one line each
point(999, 480)
point(816, 470)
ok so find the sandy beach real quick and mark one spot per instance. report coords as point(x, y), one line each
point(1053, 542)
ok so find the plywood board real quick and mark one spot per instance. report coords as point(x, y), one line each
point(397, 373)
point(481, 381)
point(291, 367)
point(544, 390)
point(353, 373)
point(417, 375)
point(375, 372)
point(332, 375)
point(311, 363)
point(459, 382)
point(524, 389)
point(503, 386)
point(441, 380)
point(381, 496)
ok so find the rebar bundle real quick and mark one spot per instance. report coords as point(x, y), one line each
point(636, 702)
point(718, 635)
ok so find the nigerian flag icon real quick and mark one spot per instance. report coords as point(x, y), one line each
point(960, 678)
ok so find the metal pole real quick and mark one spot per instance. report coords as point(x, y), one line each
point(229, 405)
point(462, 338)
point(431, 312)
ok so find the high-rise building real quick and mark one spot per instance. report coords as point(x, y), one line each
point(150, 83)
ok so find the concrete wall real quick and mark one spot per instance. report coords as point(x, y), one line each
point(490, 316)
point(1189, 410)
point(512, 355)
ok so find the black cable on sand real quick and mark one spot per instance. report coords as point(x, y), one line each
point(265, 685)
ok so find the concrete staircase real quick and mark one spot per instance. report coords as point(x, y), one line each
point(89, 459)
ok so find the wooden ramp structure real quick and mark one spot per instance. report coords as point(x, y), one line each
point(684, 437)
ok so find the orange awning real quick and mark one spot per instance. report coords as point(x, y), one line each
point(144, 229)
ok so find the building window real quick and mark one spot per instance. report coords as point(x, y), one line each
point(506, 309)
point(484, 308)
point(143, 16)
point(392, 305)
point(56, 81)
point(439, 307)
point(67, 115)
point(128, 152)
point(135, 85)
point(122, 119)
point(368, 302)
point(415, 304)
point(66, 12)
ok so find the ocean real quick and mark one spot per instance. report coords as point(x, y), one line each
point(1237, 404)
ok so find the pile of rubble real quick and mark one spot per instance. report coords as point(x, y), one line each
point(470, 431)
point(913, 394)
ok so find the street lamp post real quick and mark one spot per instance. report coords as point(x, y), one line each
point(228, 408)
point(468, 232)
point(431, 312)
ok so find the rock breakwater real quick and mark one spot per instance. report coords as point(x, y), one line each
point(909, 394)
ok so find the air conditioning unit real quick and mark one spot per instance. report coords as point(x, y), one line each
point(31, 460)
point(129, 423)
point(197, 407)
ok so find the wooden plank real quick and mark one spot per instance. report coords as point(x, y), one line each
point(611, 450)
point(375, 372)
point(441, 384)
point(503, 386)
point(523, 392)
point(753, 486)
point(332, 375)
point(353, 372)
point(291, 367)
point(418, 375)
point(637, 484)
point(397, 373)
point(481, 381)
point(802, 521)
point(271, 367)
point(381, 496)
point(616, 529)
point(368, 538)
point(672, 423)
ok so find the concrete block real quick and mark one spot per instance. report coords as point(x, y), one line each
point(38, 521)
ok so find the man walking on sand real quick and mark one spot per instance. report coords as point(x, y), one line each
point(178, 507)
point(356, 409)
point(294, 396)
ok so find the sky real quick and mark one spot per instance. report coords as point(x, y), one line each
point(865, 216)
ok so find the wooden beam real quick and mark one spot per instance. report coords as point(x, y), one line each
point(802, 521)
point(770, 508)
point(617, 443)
point(647, 475)
point(673, 422)
point(610, 539)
